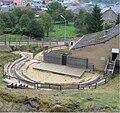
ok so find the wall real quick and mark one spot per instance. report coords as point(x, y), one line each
point(109, 16)
point(76, 62)
point(52, 58)
point(97, 54)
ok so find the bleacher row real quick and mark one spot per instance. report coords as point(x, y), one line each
point(12, 71)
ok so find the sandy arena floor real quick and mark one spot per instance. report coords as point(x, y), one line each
point(53, 78)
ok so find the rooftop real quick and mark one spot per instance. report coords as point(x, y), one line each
point(97, 38)
point(115, 8)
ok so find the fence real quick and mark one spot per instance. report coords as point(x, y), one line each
point(57, 86)
point(77, 62)
point(52, 58)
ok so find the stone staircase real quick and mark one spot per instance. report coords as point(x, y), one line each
point(109, 69)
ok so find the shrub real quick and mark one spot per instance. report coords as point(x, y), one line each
point(7, 31)
point(79, 35)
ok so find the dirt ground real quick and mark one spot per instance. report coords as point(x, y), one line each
point(52, 77)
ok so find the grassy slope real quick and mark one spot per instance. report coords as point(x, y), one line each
point(13, 38)
point(76, 100)
point(59, 32)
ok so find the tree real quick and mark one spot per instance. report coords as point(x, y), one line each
point(7, 20)
point(28, 12)
point(94, 20)
point(1, 25)
point(14, 19)
point(55, 9)
point(118, 19)
point(24, 21)
point(80, 21)
point(17, 12)
point(68, 15)
point(35, 29)
point(47, 22)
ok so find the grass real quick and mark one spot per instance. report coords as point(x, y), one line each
point(63, 51)
point(59, 32)
point(83, 100)
point(13, 38)
point(7, 57)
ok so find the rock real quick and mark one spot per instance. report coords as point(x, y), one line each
point(1, 105)
point(33, 102)
point(89, 98)
point(59, 108)
point(101, 108)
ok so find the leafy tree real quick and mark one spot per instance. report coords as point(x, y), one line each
point(94, 20)
point(30, 13)
point(118, 19)
point(80, 21)
point(47, 22)
point(17, 12)
point(24, 21)
point(68, 15)
point(7, 20)
point(55, 9)
point(1, 25)
point(14, 19)
point(35, 29)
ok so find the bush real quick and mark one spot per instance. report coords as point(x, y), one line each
point(107, 26)
point(67, 44)
point(24, 31)
point(7, 31)
point(16, 31)
point(79, 35)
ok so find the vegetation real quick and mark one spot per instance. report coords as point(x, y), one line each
point(55, 9)
point(94, 20)
point(80, 21)
point(20, 21)
point(107, 26)
point(118, 19)
point(63, 51)
point(59, 30)
point(13, 38)
point(103, 99)
point(35, 29)
point(7, 57)
point(46, 20)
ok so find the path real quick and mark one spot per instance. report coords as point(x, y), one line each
point(39, 56)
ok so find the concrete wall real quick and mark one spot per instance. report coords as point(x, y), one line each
point(97, 54)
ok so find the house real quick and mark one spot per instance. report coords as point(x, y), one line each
point(98, 47)
point(6, 2)
point(28, 2)
point(109, 16)
point(18, 2)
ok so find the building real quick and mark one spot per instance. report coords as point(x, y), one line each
point(98, 47)
point(109, 16)
point(28, 2)
point(18, 2)
point(6, 2)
